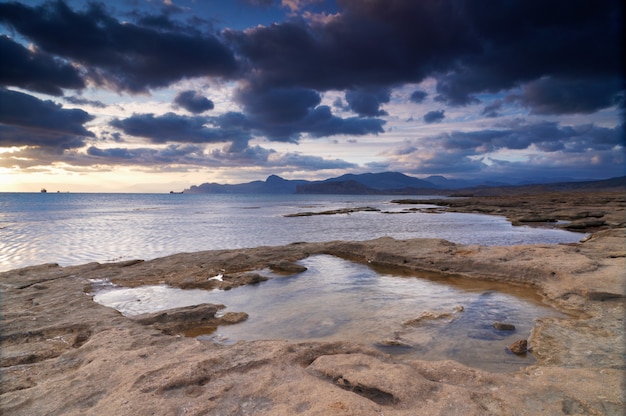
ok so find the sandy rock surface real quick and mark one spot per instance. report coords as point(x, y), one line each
point(576, 211)
point(62, 353)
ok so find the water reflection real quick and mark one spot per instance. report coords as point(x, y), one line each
point(427, 317)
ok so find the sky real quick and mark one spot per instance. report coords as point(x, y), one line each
point(159, 95)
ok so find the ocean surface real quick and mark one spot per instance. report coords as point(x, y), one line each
point(73, 228)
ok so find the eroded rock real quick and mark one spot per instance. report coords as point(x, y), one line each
point(503, 326)
point(519, 347)
point(180, 320)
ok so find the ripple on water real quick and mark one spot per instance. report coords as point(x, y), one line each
point(337, 299)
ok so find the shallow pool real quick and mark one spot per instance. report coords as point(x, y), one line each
point(421, 316)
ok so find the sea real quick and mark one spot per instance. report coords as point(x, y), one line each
point(77, 228)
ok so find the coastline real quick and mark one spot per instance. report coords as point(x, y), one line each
point(64, 353)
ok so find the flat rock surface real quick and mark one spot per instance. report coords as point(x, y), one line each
point(576, 211)
point(62, 353)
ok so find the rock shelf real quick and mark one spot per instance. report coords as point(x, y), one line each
point(62, 353)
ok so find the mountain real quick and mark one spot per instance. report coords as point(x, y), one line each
point(347, 187)
point(385, 180)
point(367, 183)
point(272, 185)
point(393, 183)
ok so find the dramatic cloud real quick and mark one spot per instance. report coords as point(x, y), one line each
point(418, 96)
point(28, 121)
point(562, 96)
point(279, 105)
point(171, 127)
point(523, 41)
point(434, 116)
point(545, 136)
point(122, 55)
point(193, 102)
point(85, 101)
point(510, 44)
point(368, 44)
point(283, 114)
point(366, 102)
point(172, 154)
point(261, 157)
point(551, 151)
point(521, 81)
point(35, 71)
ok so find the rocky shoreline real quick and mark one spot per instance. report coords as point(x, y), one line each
point(62, 353)
point(574, 211)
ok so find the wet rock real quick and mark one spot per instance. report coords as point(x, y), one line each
point(432, 315)
point(534, 218)
point(502, 326)
point(519, 347)
point(231, 281)
point(584, 224)
point(286, 266)
point(180, 320)
point(333, 212)
point(394, 342)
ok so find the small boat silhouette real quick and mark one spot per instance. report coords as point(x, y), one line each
point(43, 190)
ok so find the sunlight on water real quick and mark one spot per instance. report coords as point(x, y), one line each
point(337, 299)
point(79, 228)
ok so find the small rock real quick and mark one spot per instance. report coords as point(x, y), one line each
point(519, 347)
point(394, 343)
point(502, 326)
point(286, 266)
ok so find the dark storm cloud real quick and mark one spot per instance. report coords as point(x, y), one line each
point(418, 96)
point(262, 157)
point(561, 96)
point(321, 122)
point(28, 121)
point(83, 101)
point(366, 101)
point(194, 102)
point(192, 155)
point(121, 55)
point(468, 48)
point(524, 40)
point(172, 154)
point(262, 119)
point(545, 136)
point(434, 116)
point(278, 105)
point(369, 44)
point(565, 152)
point(171, 127)
point(283, 114)
point(35, 71)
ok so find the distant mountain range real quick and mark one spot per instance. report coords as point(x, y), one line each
point(391, 183)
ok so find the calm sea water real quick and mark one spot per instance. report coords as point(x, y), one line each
point(338, 300)
point(72, 228)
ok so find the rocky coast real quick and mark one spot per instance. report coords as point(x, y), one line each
point(62, 353)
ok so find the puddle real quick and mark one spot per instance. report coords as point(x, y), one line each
point(425, 317)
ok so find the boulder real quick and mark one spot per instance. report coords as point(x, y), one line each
point(519, 347)
point(502, 326)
